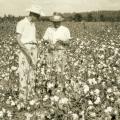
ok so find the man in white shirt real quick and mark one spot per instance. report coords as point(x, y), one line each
point(26, 38)
point(57, 39)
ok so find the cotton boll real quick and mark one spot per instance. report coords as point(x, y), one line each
point(90, 107)
point(75, 116)
point(8, 101)
point(32, 102)
point(28, 108)
point(63, 101)
point(70, 112)
point(55, 98)
point(117, 93)
point(86, 88)
point(118, 79)
point(97, 92)
point(13, 68)
point(98, 100)
point(109, 90)
point(12, 103)
point(19, 106)
point(99, 79)
point(50, 85)
point(46, 97)
point(103, 84)
point(101, 56)
point(1, 114)
point(76, 63)
point(92, 92)
point(28, 116)
point(107, 97)
point(4, 110)
point(92, 114)
point(116, 112)
point(9, 114)
point(92, 81)
point(90, 102)
point(103, 46)
point(112, 99)
point(108, 109)
point(42, 71)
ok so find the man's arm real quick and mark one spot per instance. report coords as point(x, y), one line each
point(63, 43)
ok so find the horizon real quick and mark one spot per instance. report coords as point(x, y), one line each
point(17, 8)
point(69, 13)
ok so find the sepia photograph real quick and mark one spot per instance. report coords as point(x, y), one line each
point(59, 59)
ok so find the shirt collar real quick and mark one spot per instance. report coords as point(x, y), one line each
point(57, 28)
point(28, 20)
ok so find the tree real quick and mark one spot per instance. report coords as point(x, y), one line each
point(102, 18)
point(118, 18)
point(77, 17)
point(89, 17)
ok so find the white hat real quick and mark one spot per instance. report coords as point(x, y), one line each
point(56, 18)
point(36, 9)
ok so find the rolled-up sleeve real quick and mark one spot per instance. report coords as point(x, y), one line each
point(46, 35)
point(67, 35)
point(19, 28)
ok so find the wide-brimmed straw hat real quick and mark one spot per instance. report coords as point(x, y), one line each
point(36, 9)
point(56, 18)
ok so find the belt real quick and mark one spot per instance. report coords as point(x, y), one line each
point(57, 49)
point(31, 43)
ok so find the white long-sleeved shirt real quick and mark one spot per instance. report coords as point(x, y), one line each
point(27, 31)
point(54, 34)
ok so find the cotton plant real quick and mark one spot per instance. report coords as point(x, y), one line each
point(86, 88)
point(1, 114)
point(92, 81)
point(97, 101)
point(92, 70)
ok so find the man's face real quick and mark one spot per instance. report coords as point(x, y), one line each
point(56, 24)
point(35, 17)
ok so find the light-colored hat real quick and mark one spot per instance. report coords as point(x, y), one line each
point(56, 18)
point(36, 9)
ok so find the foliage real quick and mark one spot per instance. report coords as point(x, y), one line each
point(109, 16)
point(91, 78)
point(77, 17)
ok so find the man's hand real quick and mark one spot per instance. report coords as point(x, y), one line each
point(50, 47)
point(33, 66)
point(63, 43)
point(59, 42)
point(46, 42)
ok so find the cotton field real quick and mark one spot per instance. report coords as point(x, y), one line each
point(91, 78)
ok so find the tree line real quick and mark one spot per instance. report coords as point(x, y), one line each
point(95, 16)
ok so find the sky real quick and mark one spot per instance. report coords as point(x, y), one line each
point(18, 7)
